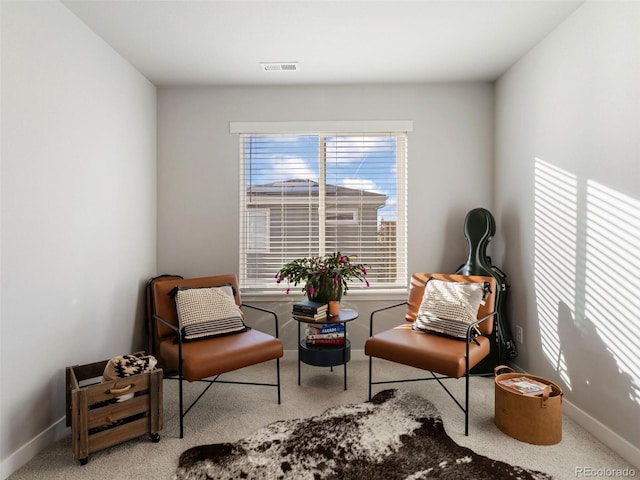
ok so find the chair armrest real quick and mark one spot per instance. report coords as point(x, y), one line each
point(271, 312)
point(388, 307)
point(469, 339)
point(478, 322)
point(170, 325)
point(175, 329)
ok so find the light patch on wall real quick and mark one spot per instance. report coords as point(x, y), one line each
point(555, 212)
point(612, 301)
point(586, 263)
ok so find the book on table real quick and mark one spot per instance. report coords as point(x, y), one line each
point(318, 317)
point(326, 341)
point(317, 336)
point(326, 335)
point(524, 385)
point(309, 307)
point(325, 328)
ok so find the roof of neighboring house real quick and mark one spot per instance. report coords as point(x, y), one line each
point(308, 187)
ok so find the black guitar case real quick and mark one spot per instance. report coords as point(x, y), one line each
point(479, 229)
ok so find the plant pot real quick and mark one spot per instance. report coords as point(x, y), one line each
point(334, 308)
point(327, 290)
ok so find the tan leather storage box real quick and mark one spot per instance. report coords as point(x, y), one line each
point(535, 419)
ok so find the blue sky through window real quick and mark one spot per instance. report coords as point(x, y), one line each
point(361, 162)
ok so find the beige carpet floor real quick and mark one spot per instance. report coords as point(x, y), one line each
point(229, 412)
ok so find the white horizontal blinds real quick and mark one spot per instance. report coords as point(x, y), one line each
point(311, 194)
point(362, 202)
point(280, 183)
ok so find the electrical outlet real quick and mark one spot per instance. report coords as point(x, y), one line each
point(519, 335)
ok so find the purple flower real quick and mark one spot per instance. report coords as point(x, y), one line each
point(288, 290)
point(367, 282)
point(312, 291)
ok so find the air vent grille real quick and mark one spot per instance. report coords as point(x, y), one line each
point(280, 66)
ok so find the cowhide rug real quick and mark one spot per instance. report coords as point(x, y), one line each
point(398, 435)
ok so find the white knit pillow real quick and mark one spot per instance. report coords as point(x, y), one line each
point(207, 312)
point(449, 308)
point(457, 301)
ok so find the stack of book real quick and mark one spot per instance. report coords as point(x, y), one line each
point(329, 334)
point(310, 310)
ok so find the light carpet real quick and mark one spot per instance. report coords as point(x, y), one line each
point(228, 413)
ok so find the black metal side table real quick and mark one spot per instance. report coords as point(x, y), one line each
point(326, 355)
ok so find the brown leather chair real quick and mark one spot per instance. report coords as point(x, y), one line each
point(199, 360)
point(444, 357)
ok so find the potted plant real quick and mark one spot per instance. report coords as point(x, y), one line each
point(325, 278)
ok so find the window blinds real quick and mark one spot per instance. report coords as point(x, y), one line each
point(312, 194)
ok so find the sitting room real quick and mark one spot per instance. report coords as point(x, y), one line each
point(198, 139)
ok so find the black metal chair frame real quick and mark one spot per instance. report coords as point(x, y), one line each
point(438, 378)
point(210, 381)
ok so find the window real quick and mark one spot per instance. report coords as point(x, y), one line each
point(342, 216)
point(257, 230)
point(306, 194)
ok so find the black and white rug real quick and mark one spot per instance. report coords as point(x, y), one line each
point(398, 435)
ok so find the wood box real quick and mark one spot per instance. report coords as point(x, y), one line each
point(97, 422)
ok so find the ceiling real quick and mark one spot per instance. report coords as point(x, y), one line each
point(216, 42)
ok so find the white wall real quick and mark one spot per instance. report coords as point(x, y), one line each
point(450, 156)
point(78, 213)
point(568, 200)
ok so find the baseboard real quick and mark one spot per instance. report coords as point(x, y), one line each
point(603, 433)
point(30, 449)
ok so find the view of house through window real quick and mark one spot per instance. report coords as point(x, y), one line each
point(313, 194)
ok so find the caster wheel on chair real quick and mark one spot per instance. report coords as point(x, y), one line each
point(155, 437)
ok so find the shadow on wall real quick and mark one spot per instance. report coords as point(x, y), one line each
point(586, 261)
point(585, 359)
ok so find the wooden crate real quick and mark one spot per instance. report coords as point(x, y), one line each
point(96, 423)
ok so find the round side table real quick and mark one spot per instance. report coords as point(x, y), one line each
point(326, 355)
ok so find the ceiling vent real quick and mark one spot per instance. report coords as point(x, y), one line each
point(280, 66)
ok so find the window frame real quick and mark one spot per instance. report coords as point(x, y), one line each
point(398, 129)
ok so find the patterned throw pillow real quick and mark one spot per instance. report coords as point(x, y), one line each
point(124, 366)
point(449, 307)
point(207, 312)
